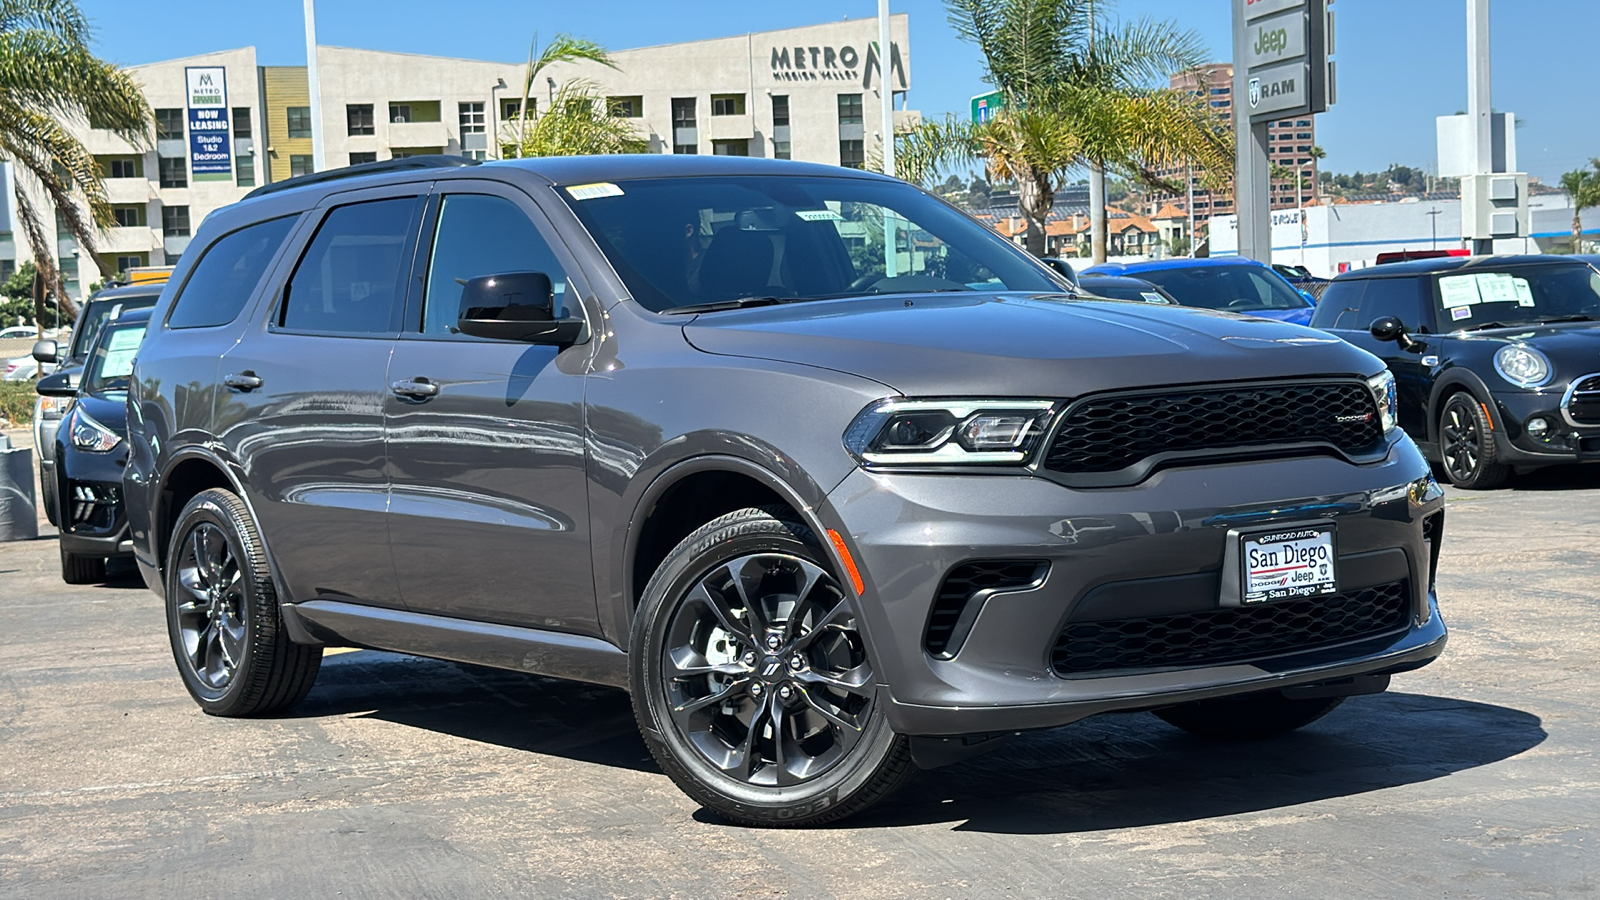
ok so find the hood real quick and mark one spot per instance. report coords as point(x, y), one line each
point(110, 410)
point(1016, 345)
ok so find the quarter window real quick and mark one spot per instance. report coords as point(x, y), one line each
point(227, 275)
point(479, 235)
point(351, 279)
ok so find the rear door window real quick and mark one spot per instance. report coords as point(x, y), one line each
point(351, 279)
point(227, 275)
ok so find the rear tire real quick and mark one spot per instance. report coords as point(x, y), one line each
point(750, 678)
point(223, 619)
point(1248, 717)
point(78, 569)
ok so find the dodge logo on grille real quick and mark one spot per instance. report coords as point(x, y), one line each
point(1350, 420)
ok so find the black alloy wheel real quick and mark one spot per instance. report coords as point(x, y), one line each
point(1466, 445)
point(223, 619)
point(752, 680)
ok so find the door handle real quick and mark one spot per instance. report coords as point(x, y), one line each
point(418, 388)
point(244, 381)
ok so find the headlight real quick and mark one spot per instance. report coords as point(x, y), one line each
point(87, 434)
point(1523, 366)
point(1383, 392)
point(946, 432)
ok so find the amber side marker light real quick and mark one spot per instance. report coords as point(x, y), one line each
point(849, 562)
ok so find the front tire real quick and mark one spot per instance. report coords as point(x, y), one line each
point(751, 682)
point(1466, 445)
point(223, 620)
point(1247, 717)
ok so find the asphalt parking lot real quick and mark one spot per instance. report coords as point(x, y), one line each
point(402, 777)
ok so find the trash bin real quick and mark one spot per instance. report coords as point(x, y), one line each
point(19, 519)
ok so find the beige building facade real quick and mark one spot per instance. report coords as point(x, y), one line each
point(810, 93)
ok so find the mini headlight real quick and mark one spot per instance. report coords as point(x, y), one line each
point(87, 434)
point(945, 432)
point(1382, 385)
point(1522, 365)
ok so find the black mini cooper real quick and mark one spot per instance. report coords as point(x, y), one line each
point(1496, 358)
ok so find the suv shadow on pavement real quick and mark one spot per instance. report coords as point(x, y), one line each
point(1112, 771)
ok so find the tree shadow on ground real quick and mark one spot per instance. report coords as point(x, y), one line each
point(1112, 771)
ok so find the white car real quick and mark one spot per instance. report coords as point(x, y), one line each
point(19, 331)
point(22, 368)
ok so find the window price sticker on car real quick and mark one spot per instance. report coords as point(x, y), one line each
point(1287, 564)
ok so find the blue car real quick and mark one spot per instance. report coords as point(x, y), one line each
point(1233, 283)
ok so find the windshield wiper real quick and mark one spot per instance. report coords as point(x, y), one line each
point(1577, 318)
point(740, 303)
point(1481, 326)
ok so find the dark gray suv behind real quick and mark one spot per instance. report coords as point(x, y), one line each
point(830, 477)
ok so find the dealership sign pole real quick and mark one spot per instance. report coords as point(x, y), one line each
point(210, 154)
point(1280, 70)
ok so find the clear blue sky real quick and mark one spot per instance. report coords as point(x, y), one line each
point(1401, 62)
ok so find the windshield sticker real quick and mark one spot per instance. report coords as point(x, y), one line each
point(1152, 297)
point(1458, 290)
point(127, 338)
point(819, 215)
point(1497, 287)
point(1524, 293)
point(120, 349)
point(1461, 312)
point(593, 191)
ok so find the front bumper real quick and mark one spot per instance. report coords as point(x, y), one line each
point(909, 531)
point(1566, 442)
point(89, 502)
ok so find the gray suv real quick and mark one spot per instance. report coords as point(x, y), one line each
point(835, 481)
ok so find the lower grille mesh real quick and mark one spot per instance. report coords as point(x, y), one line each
point(1231, 634)
point(943, 637)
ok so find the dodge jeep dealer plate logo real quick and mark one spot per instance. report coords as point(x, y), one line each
point(1286, 564)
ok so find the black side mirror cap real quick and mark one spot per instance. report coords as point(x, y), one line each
point(46, 351)
point(516, 306)
point(57, 385)
point(1390, 328)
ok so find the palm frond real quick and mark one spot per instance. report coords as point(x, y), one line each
point(578, 122)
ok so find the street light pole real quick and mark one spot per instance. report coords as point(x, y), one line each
point(318, 161)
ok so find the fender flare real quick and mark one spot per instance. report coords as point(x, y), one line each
point(1452, 381)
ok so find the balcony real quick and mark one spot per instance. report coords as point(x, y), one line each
point(418, 134)
point(129, 190)
point(724, 128)
point(128, 239)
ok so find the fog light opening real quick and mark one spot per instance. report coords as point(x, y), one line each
point(1539, 428)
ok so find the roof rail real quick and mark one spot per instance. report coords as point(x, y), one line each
point(431, 161)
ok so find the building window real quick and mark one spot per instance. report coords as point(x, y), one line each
point(780, 150)
point(175, 221)
point(683, 112)
point(731, 148)
point(850, 109)
point(122, 167)
point(852, 154)
point(400, 113)
point(727, 104)
point(685, 149)
point(357, 159)
point(626, 107)
point(471, 115)
point(358, 118)
point(241, 122)
point(299, 121)
point(247, 169)
point(780, 111)
point(174, 171)
point(300, 164)
point(169, 124)
point(1303, 123)
point(130, 216)
point(511, 110)
point(125, 262)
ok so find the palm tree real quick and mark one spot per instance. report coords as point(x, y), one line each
point(1079, 92)
point(578, 122)
point(564, 49)
point(1317, 154)
point(48, 78)
point(1582, 187)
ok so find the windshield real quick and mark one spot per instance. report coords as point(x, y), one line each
point(1233, 288)
point(1527, 295)
point(108, 368)
point(94, 317)
point(680, 242)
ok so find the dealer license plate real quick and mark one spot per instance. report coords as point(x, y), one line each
point(1283, 565)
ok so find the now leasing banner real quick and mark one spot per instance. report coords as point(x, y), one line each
point(210, 157)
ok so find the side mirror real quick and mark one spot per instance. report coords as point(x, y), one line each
point(1309, 299)
point(46, 351)
point(516, 306)
point(57, 385)
point(1390, 328)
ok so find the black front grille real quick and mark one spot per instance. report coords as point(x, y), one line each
point(947, 627)
point(1111, 433)
point(1231, 634)
point(1585, 405)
